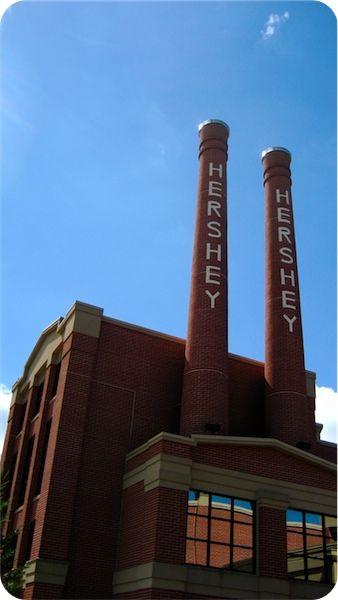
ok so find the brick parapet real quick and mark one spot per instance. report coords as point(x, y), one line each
point(265, 462)
point(160, 447)
point(271, 459)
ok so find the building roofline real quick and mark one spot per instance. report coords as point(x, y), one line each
point(227, 440)
point(58, 326)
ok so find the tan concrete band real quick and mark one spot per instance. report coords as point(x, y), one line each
point(42, 570)
point(211, 582)
point(166, 470)
point(221, 440)
point(81, 318)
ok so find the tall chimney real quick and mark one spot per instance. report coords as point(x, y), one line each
point(289, 414)
point(205, 386)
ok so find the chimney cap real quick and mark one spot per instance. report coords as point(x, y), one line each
point(211, 121)
point(273, 149)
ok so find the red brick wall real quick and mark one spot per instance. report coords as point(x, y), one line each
point(150, 366)
point(246, 398)
point(265, 462)
point(153, 526)
point(114, 394)
point(272, 546)
point(64, 453)
point(97, 506)
point(255, 460)
point(165, 446)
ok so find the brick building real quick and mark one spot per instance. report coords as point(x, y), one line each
point(145, 466)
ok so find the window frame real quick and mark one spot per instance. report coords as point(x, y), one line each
point(305, 551)
point(209, 518)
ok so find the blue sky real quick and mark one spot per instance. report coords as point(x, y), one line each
point(101, 103)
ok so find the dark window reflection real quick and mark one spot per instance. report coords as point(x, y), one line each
point(311, 540)
point(220, 532)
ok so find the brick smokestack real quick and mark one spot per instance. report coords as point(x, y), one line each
point(205, 386)
point(289, 413)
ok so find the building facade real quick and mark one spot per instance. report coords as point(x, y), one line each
point(144, 466)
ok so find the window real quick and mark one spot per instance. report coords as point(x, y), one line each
point(220, 532)
point(29, 541)
point(43, 457)
point(37, 398)
point(21, 412)
point(54, 377)
point(8, 479)
point(312, 542)
point(25, 471)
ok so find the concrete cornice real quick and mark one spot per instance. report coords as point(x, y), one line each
point(180, 473)
point(80, 318)
point(210, 582)
point(161, 437)
point(220, 440)
point(265, 443)
point(42, 570)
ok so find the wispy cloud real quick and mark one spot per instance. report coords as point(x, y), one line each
point(5, 400)
point(326, 412)
point(273, 24)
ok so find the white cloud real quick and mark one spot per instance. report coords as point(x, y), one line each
point(326, 412)
point(5, 401)
point(5, 398)
point(5, 5)
point(273, 23)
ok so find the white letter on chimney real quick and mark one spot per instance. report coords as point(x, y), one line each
point(288, 297)
point(218, 251)
point(212, 298)
point(290, 322)
point(213, 226)
point(285, 196)
point(282, 213)
point(212, 169)
point(284, 232)
point(213, 205)
point(215, 188)
point(210, 271)
point(284, 277)
point(287, 253)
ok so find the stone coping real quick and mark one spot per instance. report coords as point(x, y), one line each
point(212, 582)
point(222, 440)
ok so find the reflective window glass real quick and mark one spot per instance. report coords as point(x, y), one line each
point(219, 556)
point(197, 527)
point(221, 507)
point(196, 553)
point(310, 541)
point(242, 534)
point(220, 531)
point(243, 559)
point(243, 511)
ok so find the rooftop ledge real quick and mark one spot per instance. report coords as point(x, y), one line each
point(223, 440)
point(86, 318)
